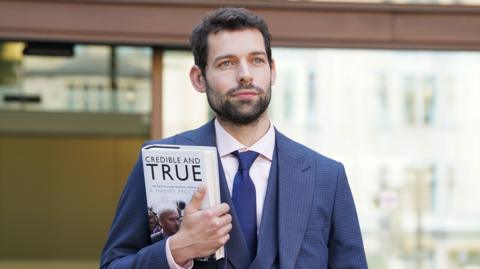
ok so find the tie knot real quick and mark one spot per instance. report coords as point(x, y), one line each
point(245, 159)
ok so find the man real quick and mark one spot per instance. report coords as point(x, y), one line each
point(170, 221)
point(284, 205)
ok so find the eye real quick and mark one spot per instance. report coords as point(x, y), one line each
point(258, 60)
point(225, 64)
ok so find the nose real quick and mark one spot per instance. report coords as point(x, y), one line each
point(244, 74)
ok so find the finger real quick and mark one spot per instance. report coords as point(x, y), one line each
point(224, 230)
point(224, 239)
point(219, 222)
point(224, 220)
point(219, 210)
point(197, 198)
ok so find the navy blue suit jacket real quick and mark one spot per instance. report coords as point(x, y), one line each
point(309, 206)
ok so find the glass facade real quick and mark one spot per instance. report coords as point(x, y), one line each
point(93, 79)
point(183, 107)
point(406, 126)
point(72, 121)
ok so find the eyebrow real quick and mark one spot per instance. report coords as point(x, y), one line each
point(259, 53)
point(226, 56)
point(221, 57)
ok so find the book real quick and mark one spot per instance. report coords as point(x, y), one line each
point(172, 175)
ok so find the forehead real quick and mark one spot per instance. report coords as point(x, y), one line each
point(237, 42)
point(170, 214)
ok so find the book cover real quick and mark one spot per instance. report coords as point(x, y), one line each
point(172, 174)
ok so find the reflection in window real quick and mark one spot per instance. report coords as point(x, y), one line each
point(429, 92)
point(183, 107)
point(93, 79)
point(406, 126)
point(311, 97)
point(382, 102)
point(419, 99)
point(288, 97)
point(10, 63)
point(409, 99)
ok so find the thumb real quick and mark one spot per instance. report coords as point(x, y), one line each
point(197, 198)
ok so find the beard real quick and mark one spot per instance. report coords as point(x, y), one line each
point(239, 112)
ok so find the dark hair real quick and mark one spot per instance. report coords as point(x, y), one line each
point(229, 19)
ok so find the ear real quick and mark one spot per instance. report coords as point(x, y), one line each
point(197, 79)
point(273, 73)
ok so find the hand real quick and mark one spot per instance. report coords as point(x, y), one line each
point(201, 232)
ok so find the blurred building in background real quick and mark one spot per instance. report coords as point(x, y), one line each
point(388, 88)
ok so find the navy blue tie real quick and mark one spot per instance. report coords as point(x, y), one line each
point(245, 199)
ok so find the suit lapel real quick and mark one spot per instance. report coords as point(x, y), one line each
point(295, 193)
point(236, 251)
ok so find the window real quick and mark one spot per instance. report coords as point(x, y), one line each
point(92, 79)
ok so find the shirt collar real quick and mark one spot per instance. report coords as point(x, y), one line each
point(227, 144)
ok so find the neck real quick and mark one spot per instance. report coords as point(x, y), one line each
point(247, 134)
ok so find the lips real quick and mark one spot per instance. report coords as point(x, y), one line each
point(245, 93)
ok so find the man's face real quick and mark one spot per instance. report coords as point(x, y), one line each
point(170, 222)
point(238, 75)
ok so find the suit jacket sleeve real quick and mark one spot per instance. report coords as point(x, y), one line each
point(345, 243)
point(128, 244)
